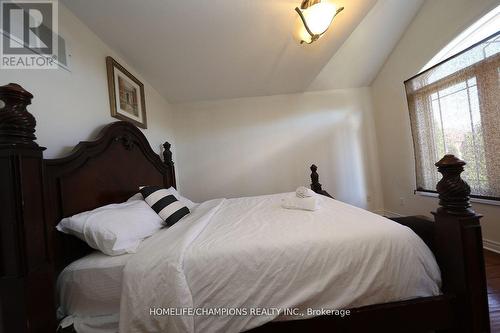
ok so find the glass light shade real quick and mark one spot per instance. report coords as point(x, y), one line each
point(301, 34)
point(319, 16)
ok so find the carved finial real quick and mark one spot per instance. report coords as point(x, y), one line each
point(17, 125)
point(315, 185)
point(167, 154)
point(453, 190)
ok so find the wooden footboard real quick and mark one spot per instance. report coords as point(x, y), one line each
point(412, 316)
point(455, 239)
point(459, 248)
point(36, 193)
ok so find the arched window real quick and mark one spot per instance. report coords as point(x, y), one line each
point(455, 109)
point(486, 26)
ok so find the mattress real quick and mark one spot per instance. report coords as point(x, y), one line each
point(89, 291)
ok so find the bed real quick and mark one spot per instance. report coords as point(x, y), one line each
point(445, 287)
point(213, 260)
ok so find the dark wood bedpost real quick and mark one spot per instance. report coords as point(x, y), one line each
point(167, 159)
point(26, 282)
point(459, 248)
point(315, 185)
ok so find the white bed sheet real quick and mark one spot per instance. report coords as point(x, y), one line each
point(251, 253)
point(89, 291)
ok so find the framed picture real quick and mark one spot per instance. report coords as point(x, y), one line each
point(126, 94)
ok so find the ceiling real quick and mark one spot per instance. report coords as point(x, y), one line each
point(193, 50)
point(358, 61)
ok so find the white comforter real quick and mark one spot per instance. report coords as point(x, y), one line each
point(250, 253)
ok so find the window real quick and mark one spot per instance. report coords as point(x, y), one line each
point(455, 109)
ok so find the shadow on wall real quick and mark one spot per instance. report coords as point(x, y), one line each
point(251, 147)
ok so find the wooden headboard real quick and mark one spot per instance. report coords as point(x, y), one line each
point(96, 173)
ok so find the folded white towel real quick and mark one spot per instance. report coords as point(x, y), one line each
point(304, 192)
point(292, 202)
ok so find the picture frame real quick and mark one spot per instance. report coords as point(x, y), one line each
point(126, 94)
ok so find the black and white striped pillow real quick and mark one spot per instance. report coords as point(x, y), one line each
point(164, 204)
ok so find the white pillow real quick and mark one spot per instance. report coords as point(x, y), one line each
point(114, 229)
point(185, 201)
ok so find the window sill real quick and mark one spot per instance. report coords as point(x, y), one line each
point(475, 200)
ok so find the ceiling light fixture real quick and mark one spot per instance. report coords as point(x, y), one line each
point(316, 16)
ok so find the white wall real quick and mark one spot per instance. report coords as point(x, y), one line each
point(261, 145)
point(437, 23)
point(71, 106)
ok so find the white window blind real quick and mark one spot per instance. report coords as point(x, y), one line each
point(455, 109)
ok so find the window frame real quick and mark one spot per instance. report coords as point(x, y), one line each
point(470, 71)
